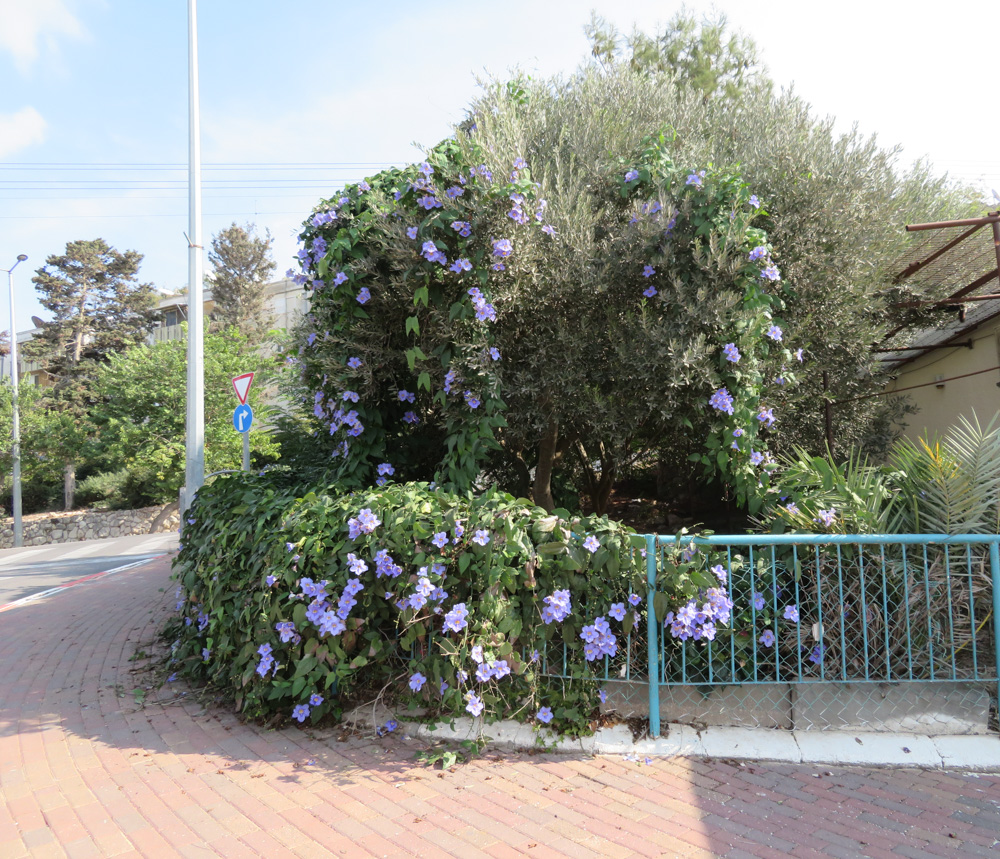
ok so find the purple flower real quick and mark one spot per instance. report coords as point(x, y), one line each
point(544, 715)
point(722, 401)
point(386, 468)
point(774, 332)
point(591, 544)
point(406, 396)
point(301, 712)
point(460, 265)
point(354, 363)
point(494, 353)
point(364, 296)
point(520, 163)
point(791, 613)
point(411, 232)
point(502, 248)
point(634, 599)
point(340, 278)
point(754, 202)
point(766, 417)
point(428, 202)
point(798, 355)
point(482, 537)
point(731, 352)
point(474, 705)
point(767, 639)
point(816, 657)
point(557, 607)
point(454, 191)
point(695, 179)
point(649, 291)
point(270, 580)
point(757, 253)
point(617, 611)
point(632, 175)
point(771, 273)
point(603, 696)
point(826, 517)
point(315, 699)
point(756, 458)
point(455, 620)
point(472, 400)
point(426, 169)
point(205, 653)
point(391, 726)
point(648, 271)
point(758, 601)
point(417, 681)
point(411, 418)
point(791, 508)
point(720, 573)
point(463, 228)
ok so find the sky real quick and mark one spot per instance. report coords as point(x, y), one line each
point(299, 98)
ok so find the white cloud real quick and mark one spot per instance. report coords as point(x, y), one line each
point(19, 130)
point(30, 25)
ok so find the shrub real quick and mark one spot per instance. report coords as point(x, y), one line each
point(295, 598)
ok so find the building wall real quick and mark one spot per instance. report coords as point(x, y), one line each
point(941, 401)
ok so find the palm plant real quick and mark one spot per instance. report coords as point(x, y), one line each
point(949, 487)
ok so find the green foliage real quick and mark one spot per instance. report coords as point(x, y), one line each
point(247, 528)
point(241, 266)
point(662, 269)
point(136, 420)
point(593, 374)
point(859, 493)
point(41, 476)
point(950, 486)
point(701, 56)
point(99, 308)
point(931, 486)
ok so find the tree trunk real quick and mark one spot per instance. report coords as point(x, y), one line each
point(542, 491)
point(598, 487)
point(69, 485)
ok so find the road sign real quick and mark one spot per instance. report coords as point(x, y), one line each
point(241, 384)
point(242, 418)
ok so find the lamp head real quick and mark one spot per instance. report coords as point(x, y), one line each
point(22, 257)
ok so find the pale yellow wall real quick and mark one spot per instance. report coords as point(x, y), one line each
point(940, 407)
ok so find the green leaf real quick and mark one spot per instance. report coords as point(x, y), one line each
point(412, 325)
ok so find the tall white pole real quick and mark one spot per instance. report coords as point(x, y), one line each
point(15, 417)
point(195, 471)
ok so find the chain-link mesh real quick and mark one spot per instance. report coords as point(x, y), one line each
point(849, 633)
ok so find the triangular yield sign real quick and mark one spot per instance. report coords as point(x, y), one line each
point(241, 384)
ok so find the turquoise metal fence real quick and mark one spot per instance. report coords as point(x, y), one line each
point(867, 612)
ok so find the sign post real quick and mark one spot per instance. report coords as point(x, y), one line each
point(243, 416)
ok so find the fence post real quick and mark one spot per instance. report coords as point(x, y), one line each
point(995, 575)
point(653, 669)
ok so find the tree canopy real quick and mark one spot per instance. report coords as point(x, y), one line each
point(99, 308)
point(554, 293)
point(241, 265)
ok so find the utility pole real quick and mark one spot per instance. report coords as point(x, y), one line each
point(195, 461)
point(15, 416)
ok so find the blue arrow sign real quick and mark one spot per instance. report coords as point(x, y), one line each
point(242, 418)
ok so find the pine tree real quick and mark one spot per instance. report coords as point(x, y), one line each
point(242, 265)
point(99, 308)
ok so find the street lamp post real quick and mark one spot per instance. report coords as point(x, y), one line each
point(15, 417)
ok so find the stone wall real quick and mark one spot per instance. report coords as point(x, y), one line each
point(43, 528)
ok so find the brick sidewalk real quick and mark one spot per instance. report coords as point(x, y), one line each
point(85, 771)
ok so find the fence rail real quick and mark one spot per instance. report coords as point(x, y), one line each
point(844, 623)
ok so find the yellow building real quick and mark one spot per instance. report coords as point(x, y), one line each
point(953, 367)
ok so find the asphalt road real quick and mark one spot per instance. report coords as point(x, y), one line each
point(30, 571)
